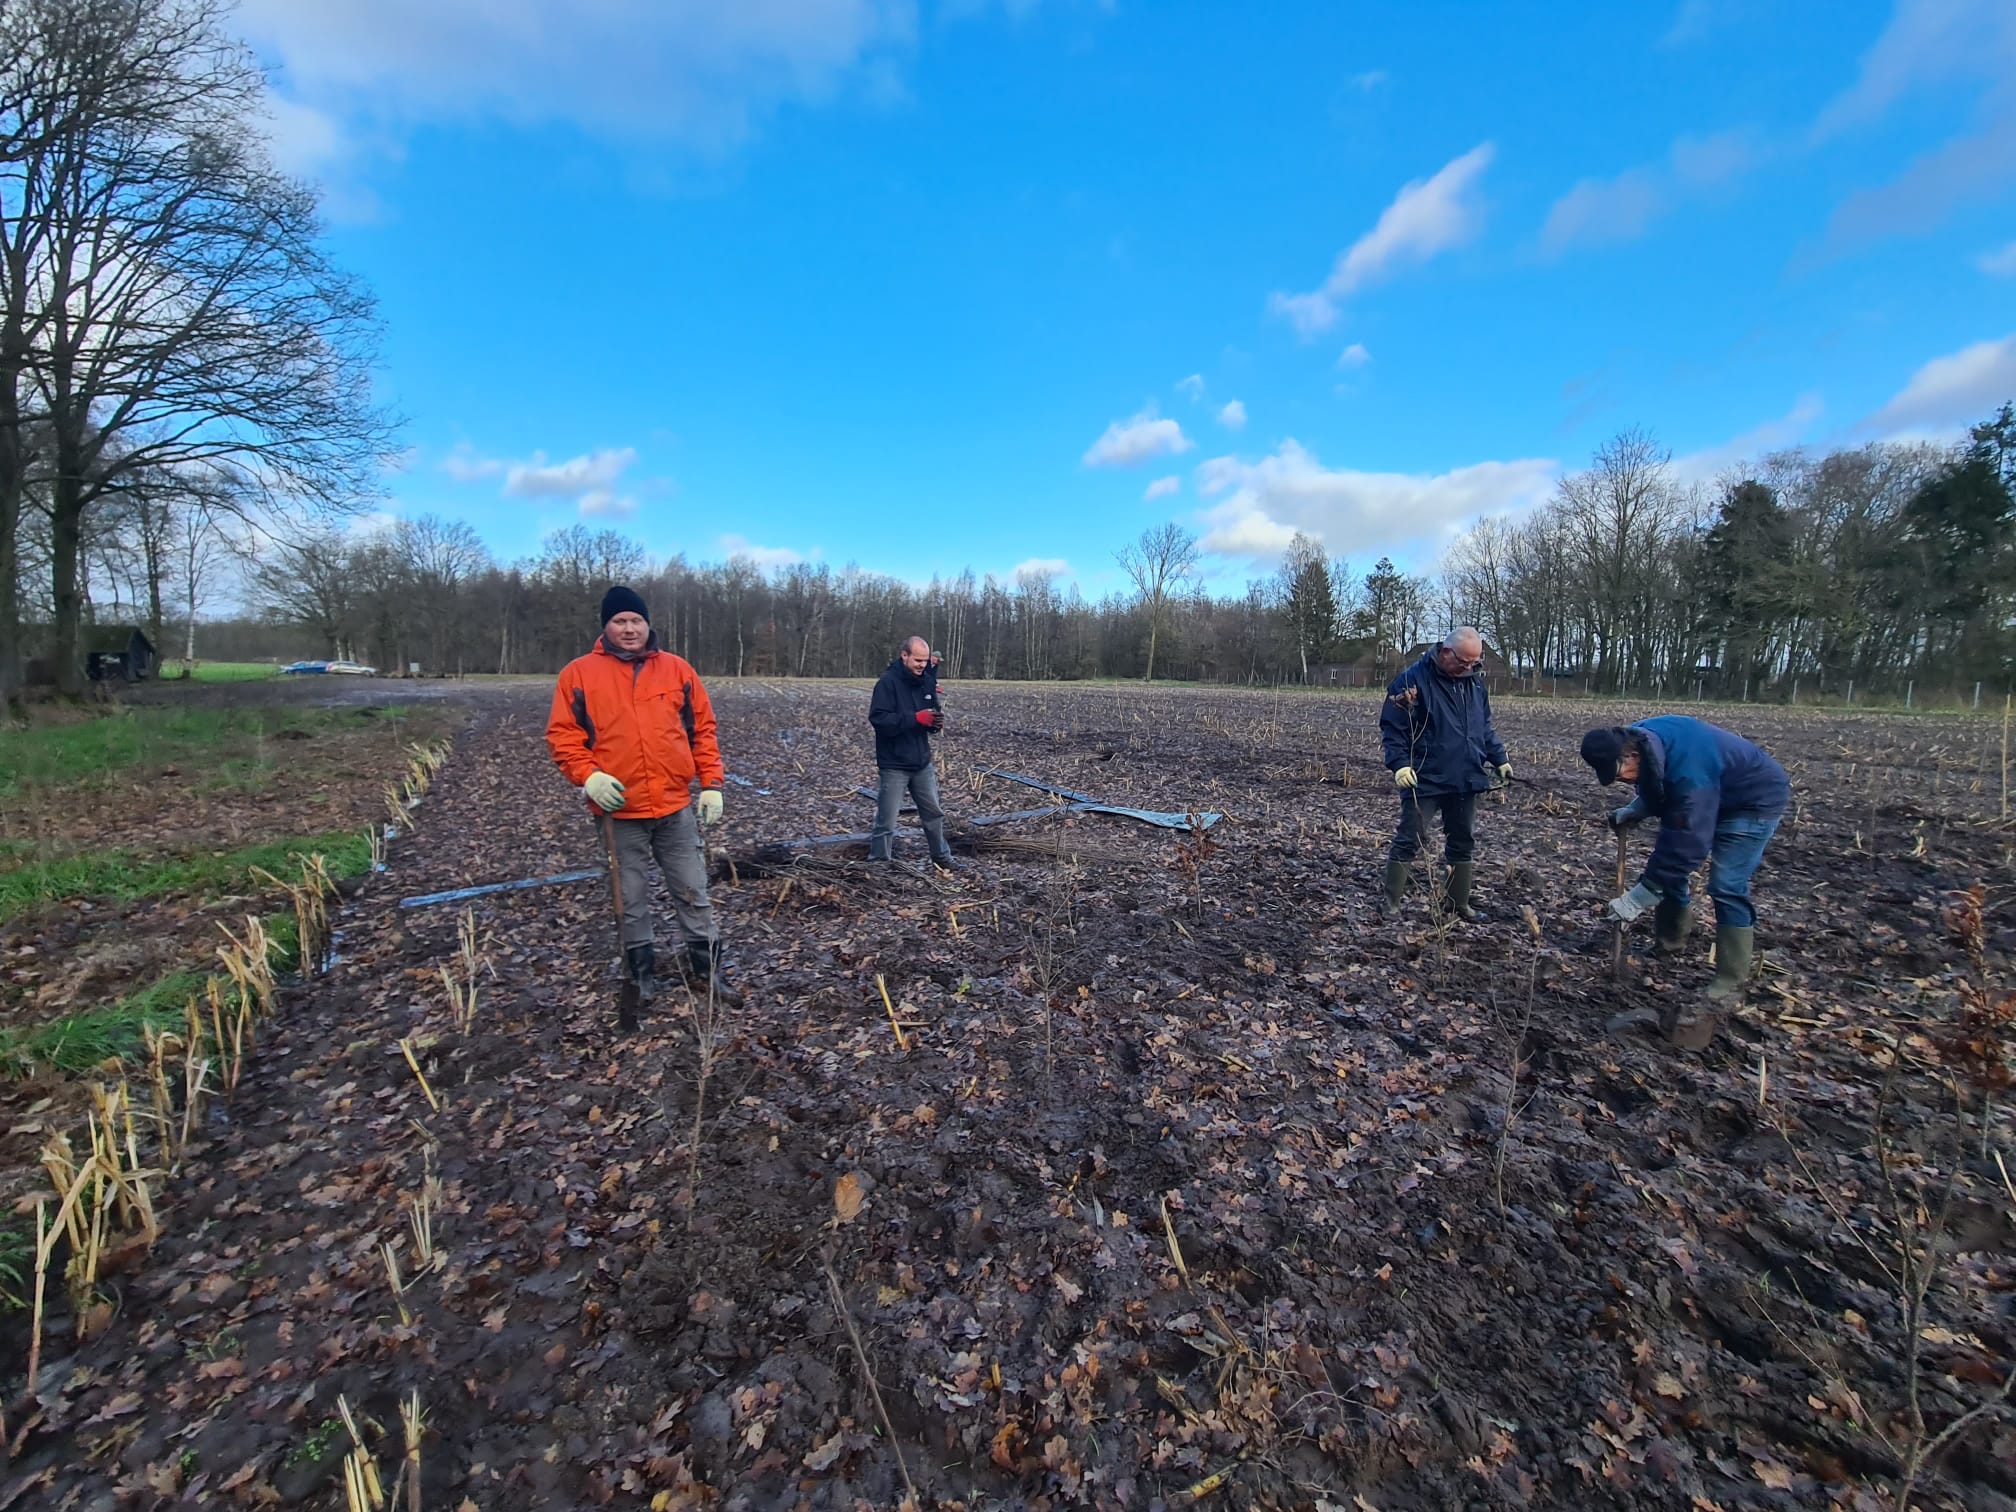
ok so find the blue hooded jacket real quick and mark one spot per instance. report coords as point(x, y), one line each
point(1440, 726)
point(1692, 773)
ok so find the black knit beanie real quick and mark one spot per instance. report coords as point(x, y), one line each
point(1603, 749)
point(621, 600)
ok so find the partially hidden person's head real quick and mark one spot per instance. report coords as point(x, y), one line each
point(626, 622)
point(916, 655)
point(1461, 652)
point(1612, 753)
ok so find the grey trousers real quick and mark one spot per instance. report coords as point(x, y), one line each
point(922, 786)
point(675, 842)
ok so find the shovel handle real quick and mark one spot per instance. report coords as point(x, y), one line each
point(616, 876)
point(1617, 935)
point(627, 995)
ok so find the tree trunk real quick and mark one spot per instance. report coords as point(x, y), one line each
point(10, 556)
point(65, 535)
point(150, 548)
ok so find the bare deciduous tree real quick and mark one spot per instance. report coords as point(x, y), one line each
point(1158, 565)
point(168, 304)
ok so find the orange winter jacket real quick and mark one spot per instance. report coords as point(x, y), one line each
point(647, 723)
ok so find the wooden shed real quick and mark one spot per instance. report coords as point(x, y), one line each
point(118, 653)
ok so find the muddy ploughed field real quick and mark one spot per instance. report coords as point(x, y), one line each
point(1167, 1175)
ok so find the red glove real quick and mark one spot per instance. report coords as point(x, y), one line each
point(926, 718)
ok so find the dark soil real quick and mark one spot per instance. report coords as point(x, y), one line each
point(1181, 1188)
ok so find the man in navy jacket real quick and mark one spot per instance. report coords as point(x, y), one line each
point(1441, 750)
point(1718, 798)
point(904, 711)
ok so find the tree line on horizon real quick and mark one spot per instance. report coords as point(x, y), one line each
point(1885, 566)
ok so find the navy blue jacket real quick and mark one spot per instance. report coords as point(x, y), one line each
point(1440, 726)
point(902, 744)
point(1691, 774)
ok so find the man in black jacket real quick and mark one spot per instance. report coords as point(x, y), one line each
point(904, 711)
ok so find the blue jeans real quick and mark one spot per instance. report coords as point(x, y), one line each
point(1739, 845)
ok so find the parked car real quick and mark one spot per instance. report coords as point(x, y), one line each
point(352, 669)
point(300, 668)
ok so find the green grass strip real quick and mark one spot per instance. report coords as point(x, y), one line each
point(82, 1040)
point(88, 753)
point(122, 876)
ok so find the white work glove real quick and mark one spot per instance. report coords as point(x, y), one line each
point(1505, 771)
point(1405, 778)
point(1633, 903)
point(707, 808)
point(604, 791)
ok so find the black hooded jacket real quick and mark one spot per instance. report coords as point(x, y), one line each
point(902, 744)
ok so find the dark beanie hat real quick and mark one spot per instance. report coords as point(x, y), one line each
point(1603, 749)
point(621, 600)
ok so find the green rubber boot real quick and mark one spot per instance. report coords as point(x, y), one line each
point(1396, 889)
point(1735, 948)
point(1461, 876)
point(1672, 922)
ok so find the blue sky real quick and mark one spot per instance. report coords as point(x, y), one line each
point(954, 283)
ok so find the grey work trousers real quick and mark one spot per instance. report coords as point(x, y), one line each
point(922, 786)
point(675, 842)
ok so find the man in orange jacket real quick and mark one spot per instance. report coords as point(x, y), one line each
point(632, 727)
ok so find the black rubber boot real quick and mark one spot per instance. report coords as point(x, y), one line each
point(641, 964)
point(1396, 889)
point(1672, 921)
point(708, 974)
point(1462, 876)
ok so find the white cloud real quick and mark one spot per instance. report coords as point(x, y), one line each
point(1043, 567)
point(1162, 488)
point(1233, 415)
point(603, 503)
point(693, 72)
point(2000, 263)
point(764, 557)
point(464, 466)
point(589, 473)
point(1943, 45)
point(1927, 42)
point(1370, 79)
point(1264, 503)
point(305, 142)
point(1599, 210)
point(1753, 445)
point(1603, 210)
point(1191, 388)
point(1354, 356)
point(1127, 442)
point(1952, 390)
point(1427, 217)
point(589, 479)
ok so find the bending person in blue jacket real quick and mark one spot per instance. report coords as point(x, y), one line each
point(1717, 798)
point(1441, 750)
